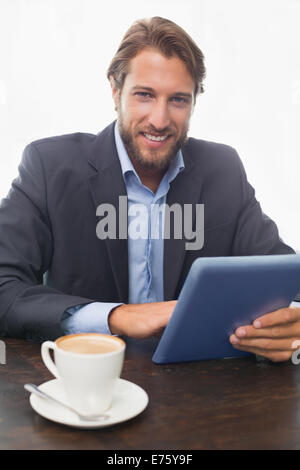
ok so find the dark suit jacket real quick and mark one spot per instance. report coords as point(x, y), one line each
point(50, 256)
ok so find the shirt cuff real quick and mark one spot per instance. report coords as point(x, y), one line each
point(90, 318)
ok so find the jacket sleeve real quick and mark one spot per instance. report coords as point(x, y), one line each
point(29, 309)
point(256, 233)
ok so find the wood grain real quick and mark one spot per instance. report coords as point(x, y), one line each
point(220, 404)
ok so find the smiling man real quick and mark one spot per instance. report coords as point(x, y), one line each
point(57, 276)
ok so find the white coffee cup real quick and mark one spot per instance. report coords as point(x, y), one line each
point(88, 364)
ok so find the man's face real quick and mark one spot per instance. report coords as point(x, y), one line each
point(154, 108)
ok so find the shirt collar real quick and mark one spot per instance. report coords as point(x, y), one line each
point(176, 165)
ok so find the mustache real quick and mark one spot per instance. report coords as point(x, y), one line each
point(157, 132)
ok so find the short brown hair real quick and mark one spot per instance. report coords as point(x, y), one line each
point(164, 35)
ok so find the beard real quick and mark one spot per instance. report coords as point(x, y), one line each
point(150, 159)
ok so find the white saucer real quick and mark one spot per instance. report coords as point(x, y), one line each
point(129, 400)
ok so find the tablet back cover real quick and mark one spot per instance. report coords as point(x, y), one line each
point(221, 294)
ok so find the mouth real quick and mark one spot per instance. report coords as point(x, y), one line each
point(155, 141)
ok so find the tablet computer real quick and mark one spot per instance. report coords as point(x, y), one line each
point(221, 294)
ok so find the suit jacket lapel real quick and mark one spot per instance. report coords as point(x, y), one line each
point(184, 189)
point(106, 185)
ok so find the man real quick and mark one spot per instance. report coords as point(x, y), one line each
point(114, 285)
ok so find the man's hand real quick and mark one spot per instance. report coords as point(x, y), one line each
point(140, 320)
point(271, 335)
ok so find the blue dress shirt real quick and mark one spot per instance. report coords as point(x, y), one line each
point(145, 247)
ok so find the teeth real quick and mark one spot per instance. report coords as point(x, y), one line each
point(156, 138)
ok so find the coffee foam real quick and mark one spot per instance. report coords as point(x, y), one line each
point(89, 343)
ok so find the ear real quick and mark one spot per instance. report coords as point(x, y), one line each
point(193, 103)
point(193, 107)
point(115, 91)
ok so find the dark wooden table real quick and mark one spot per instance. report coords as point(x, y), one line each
point(229, 404)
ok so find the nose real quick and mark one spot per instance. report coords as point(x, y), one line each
point(159, 115)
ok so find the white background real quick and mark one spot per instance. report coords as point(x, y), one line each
point(53, 60)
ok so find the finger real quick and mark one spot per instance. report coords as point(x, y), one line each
point(159, 333)
point(287, 330)
point(275, 356)
point(267, 344)
point(281, 316)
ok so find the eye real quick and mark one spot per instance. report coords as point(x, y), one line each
point(180, 100)
point(143, 95)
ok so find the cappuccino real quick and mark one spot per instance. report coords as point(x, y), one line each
point(89, 366)
point(91, 343)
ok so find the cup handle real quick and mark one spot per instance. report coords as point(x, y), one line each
point(47, 358)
